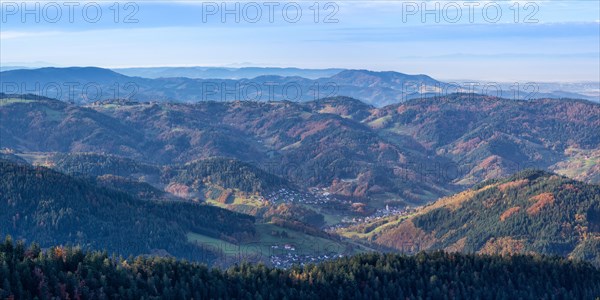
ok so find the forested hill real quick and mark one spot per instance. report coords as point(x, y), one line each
point(26, 272)
point(51, 208)
point(228, 173)
point(531, 211)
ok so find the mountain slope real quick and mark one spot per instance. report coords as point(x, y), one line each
point(95, 164)
point(229, 173)
point(530, 212)
point(32, 123)
point(304, 143)
point(489, 137)
point(52, 208)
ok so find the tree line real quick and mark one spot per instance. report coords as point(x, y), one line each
point(28, 272)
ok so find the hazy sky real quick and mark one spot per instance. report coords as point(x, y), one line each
point(487, 40)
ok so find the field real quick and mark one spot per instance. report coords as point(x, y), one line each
point(9, 101)
point(37, 158)
point(581, 165)
point(237, 201)
point(272, 240)
point(369, 229)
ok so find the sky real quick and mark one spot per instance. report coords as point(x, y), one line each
point(482, 40)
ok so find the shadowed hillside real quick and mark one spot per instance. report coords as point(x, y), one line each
point(51, 208)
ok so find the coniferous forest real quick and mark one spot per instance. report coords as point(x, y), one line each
point(70, 273)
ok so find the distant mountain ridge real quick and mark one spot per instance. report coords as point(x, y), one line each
point(225, 72)
point(83, 85)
